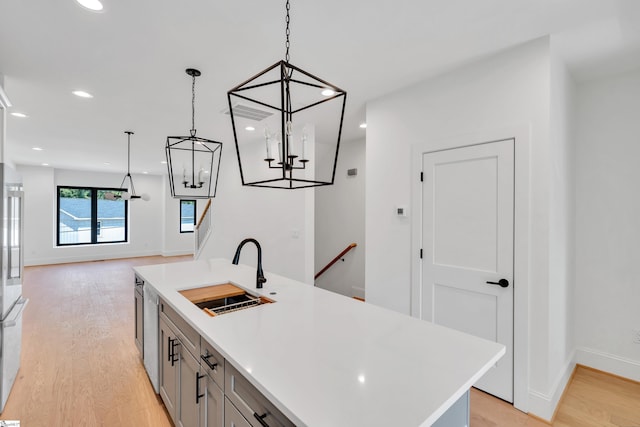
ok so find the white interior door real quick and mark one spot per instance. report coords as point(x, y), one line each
point(467, 242)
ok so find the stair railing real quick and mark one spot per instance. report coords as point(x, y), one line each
point(336, 259)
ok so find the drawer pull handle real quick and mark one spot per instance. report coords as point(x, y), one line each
point(261, 418)
point(173, 357)
point(211, 366)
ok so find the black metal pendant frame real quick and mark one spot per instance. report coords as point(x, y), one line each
point(289, 162)
point(208, 150)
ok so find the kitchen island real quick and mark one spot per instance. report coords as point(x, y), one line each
point(323, 359)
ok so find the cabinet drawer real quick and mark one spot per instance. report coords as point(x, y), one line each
point(250, 402)
point(233, 418)
point(210, 357)
point(189, 338)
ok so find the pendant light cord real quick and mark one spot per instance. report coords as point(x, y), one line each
point(287, 32)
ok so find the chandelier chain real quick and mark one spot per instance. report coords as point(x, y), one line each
point(288, 32)
point(193, 102)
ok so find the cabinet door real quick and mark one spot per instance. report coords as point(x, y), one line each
point(169, 362)
point(233, 418)
point(192, 391)
point(212, 414)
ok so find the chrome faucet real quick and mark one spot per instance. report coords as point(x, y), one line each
point(260, 279)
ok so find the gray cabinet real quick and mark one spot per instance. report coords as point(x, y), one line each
point(212, 413)
point(190, 396)
point(168, 343)
point(233, 418)
point(252, 404)
point(200, 388)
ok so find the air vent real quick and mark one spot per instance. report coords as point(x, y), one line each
point(240, 110)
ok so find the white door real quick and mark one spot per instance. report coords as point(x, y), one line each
point(467, 242)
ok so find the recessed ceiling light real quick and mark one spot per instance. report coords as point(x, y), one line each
point(145, 172)
point(37, 149)
point(82, 94)
point(164, 162)
point(45, 164)
point(363, 125)
point(22, 115)
point(107, 163)
point(94, 5)
point(250, 128)
point(328, 92)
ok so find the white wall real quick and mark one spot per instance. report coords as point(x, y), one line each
point(146, 219)
point(340, 218)
point(607, 224)
point(509, 89)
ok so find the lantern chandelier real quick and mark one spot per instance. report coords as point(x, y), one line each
point(130, 194)
point(287, 125)
point(193, 163)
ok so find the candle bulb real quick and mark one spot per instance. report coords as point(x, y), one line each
point(289, 140)
point(304, 142)
point(279, 148)
point(267, 138)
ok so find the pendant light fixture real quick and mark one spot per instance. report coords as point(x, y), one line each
point(193, 163)
point(130, 194)
point(287, 125)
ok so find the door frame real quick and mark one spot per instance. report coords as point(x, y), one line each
point(522, 137)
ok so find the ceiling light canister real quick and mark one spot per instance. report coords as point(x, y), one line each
point(82, 94)
point(94, 5)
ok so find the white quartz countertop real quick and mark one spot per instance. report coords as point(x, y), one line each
point(327, 360)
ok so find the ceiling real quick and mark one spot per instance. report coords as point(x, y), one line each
point(132, 57)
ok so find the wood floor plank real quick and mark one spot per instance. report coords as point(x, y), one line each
point(79, 365)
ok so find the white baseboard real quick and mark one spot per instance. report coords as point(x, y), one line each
point(88, 257)
point(610, 363)
point(177, 253)
point(544, 405)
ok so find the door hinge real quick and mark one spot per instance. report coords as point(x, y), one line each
point(421, 176)
point(420, 253)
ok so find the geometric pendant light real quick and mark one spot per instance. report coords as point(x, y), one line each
point(193, 163)
point(130, 194)
point(287, 125)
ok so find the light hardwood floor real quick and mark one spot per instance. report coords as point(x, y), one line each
point(80, 366)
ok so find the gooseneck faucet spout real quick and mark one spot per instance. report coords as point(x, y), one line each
point(260, 279)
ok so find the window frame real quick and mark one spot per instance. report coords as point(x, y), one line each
point(195, 210)
point(94, 216)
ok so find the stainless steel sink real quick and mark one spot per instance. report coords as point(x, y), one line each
point(224, 298)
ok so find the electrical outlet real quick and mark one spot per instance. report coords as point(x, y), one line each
point(636, 336)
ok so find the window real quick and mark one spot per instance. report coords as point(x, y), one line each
point(86, 217)
point(187, 216)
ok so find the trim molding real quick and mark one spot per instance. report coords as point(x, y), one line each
point(610, 363)
point(544, 406)
point(95, 257)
